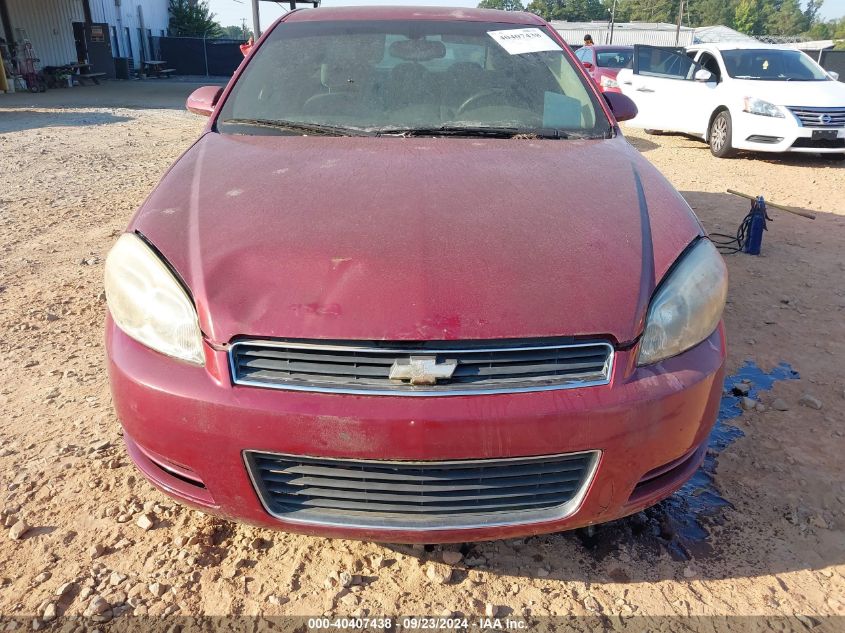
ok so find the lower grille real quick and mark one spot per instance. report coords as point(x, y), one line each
point(819, 117)
point(820, 143)
point(420, 495)
point(453, 367)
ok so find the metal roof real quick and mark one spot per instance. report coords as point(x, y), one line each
point(719, 33)
point(624, 33)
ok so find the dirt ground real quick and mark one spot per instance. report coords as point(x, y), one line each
point(71, 178)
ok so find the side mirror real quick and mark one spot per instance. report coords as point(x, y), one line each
point(622, 106)
point(703, 75)
point(833, 75)
point(587, 65)
point(203, 100)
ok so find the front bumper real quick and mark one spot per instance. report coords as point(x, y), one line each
point(772, 134)
point(187, 429)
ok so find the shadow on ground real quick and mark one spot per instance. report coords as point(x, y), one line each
point(144, 95)
point(642, 145)
point(26, 119)
point(696, 143)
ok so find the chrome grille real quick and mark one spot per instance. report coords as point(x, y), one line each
point(365, 368)
point(420, 495)
point(819, 117)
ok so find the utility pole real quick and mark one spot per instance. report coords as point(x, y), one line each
point(612, 21)
point(256, 22)
point(680, 17)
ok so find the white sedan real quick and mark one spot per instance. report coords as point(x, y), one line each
point(739, 96)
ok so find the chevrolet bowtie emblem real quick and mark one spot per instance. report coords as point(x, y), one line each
point(422, 370)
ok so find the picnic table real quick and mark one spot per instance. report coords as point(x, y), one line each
point(156, 68)
point(84, 72)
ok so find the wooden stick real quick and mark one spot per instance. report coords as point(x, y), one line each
point(803, 214)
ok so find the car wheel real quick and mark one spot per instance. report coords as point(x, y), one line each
point(720, 135)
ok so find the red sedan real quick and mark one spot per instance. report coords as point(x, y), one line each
point(382, 297)
point(603, 63)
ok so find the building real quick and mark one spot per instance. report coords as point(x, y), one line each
point(625, 33)
point(96, 31)
point(663, 34)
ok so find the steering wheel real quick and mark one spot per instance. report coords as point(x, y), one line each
point(486, 97)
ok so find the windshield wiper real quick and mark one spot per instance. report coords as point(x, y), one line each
point(451, 130)
point(484, 131)
point(296, 126)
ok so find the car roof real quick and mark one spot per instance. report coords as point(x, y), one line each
point(446, 14)
point(739, 45)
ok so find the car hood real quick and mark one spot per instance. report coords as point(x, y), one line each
point(818, 94)
point(416, 238)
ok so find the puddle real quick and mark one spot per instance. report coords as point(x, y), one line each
point(680, 523)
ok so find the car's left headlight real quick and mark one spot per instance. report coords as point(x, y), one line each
point(763, 108)
point(148, 303)
point(687, 306)
point(607, 82)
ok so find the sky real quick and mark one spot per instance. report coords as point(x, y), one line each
point(231, 12)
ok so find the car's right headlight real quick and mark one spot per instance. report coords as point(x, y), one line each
point(148, 303)
point(687, 306)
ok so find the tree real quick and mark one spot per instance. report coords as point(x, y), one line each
point(712, 12)
point(747, 17)
point(236, 33)
point(811, 12)
point(569, 10)
point(189, 18)
point(504, 5)
point(651, 10)
point(753, 17)
point(784, 17)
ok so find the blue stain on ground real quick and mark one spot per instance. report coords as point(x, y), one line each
point(698, 500)
point(680, 522)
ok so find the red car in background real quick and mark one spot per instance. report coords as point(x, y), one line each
point(381, 296)
point(603, 63)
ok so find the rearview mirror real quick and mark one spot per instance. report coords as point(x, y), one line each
point(203, 100)
point(420, 50)
point(833, 75)
point(703, 75)
point(622, 106)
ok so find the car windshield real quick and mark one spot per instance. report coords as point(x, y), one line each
point(411, 77)
point(771, 65)
point(615, 59)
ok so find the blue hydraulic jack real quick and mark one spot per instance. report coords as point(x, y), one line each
point(756, 219)
point(749, 237)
